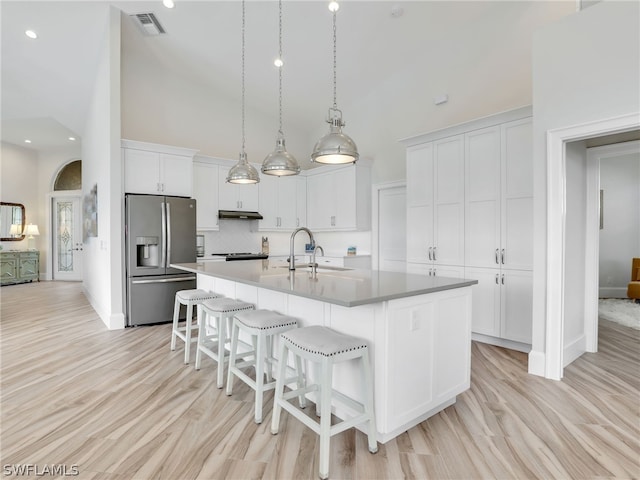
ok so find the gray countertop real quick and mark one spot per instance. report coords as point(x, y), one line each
point(340, 286)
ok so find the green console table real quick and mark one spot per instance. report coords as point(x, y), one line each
point(19, 266)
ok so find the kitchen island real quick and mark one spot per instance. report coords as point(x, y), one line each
point(418, 328)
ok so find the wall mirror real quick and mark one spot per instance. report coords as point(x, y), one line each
point(11, 222)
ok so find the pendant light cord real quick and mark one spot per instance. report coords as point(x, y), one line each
point(335, 102)
point(243, 24)
point(280, 68)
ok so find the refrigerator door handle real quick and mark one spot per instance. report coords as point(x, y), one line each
point(163, 259)
point(164, 280)
point(168, 234)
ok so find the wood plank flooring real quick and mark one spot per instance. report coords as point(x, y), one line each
point(121, 405)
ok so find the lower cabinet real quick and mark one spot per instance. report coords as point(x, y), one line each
point(19, 266)
point(502, 306)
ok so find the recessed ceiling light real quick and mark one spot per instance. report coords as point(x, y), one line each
point(31, 34)
point(168, 3)
point(27, 141)
point(334, 6)
point(278, 62)
point(73, 139)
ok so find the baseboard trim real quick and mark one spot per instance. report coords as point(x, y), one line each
point(574, 350)
point(536, 363)
point(612, 292)
point(501, 342)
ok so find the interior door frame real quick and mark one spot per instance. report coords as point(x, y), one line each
point(375, 223)
point(556, 224)
point(50, 226)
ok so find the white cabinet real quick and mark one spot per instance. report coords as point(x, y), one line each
point(431, 270)
point(470, 205)
point(339, 199)
point(205, 191)
point(278, 203)
point(234, 196)
point(435, 202)
point(157, 169)
point(301, 201)
point(502, 303)
point(499, 196)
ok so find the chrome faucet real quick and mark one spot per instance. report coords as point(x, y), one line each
point(314, 265)
point(292, 258)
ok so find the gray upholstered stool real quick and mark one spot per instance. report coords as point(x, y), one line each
point(262, 326)
point(213, 331)
point(325, 346)
point(188, 298)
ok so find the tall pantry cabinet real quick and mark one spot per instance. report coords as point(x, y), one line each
point(470, 213)
point(435, 207)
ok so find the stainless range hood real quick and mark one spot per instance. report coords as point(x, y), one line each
point(239, 214)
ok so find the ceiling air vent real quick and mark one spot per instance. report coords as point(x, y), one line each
point(148, 23)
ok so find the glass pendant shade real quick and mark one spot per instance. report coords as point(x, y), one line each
point(335, 147)
point(280, 162)
point(243, 172)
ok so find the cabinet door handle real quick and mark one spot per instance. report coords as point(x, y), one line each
point(434, 272)
point(497, 261)
point(430, 256)
point(502, 256)
point(497, 282)
point(503, 278)
point(434, 254)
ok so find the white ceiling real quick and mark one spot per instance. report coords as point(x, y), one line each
point(46, 83)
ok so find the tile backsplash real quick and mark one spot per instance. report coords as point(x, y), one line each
point(243, 236)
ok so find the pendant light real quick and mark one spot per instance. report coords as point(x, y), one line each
point(280, 162)
point(243, 172)
point(335, 147)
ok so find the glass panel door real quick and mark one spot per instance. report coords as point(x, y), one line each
point(67, 239)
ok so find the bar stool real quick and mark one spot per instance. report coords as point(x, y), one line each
point(216, 313)
point(326, 347)
point(262, 326)
point(188, 298)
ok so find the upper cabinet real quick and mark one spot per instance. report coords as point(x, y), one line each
point(205, 191)
point(232, 196)
point(278, 203)
point(499, 199)
point(157, 169)
point(339, 199)
point(435, 202)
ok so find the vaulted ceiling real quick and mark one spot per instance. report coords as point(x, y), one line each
point(393, 57)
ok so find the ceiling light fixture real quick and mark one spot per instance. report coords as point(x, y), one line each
point(168, 3)
point(73, 139)
point(243, 172)
point(27, 141)
point(31, 34)
point(335, 147)
point(280, 162)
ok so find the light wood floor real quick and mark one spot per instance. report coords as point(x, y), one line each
point(120, 404)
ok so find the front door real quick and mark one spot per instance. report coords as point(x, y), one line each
point(67, 238)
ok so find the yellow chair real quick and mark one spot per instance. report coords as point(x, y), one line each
point(633, 290)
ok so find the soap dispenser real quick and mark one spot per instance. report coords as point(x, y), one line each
point(265, 245)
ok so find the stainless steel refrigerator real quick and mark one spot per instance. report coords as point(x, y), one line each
point(159, 230)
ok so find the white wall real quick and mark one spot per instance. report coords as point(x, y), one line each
point(169, 107)
point(103, 271)
point(19, 169)
point(586, 67)
point(620, 237)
